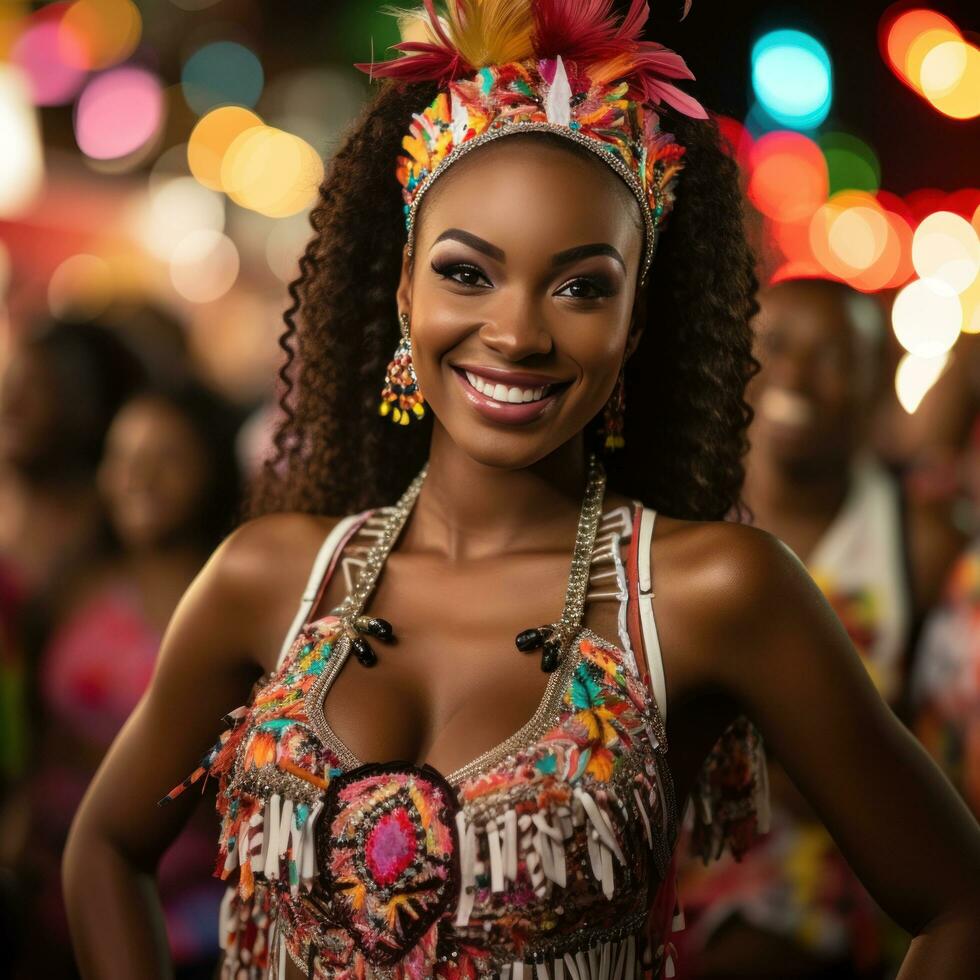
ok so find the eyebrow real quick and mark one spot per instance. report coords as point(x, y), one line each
point(559, 258)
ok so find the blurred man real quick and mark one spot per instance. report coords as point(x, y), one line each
point(792, 907)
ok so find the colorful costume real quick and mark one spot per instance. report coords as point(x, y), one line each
point(548, 855)
point(946, 684)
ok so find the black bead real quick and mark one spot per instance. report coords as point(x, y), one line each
point(529, 640)
point(549, 656)
point(363, 651)
point(380, 628)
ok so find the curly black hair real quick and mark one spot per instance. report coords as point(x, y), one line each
point(686, 417)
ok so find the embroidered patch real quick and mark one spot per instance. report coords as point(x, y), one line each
point(388, 850)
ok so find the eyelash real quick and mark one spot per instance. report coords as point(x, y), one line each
point(449, 271)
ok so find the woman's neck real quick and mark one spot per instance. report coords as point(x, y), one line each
point(468, 510)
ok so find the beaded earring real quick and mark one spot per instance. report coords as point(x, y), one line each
point(613, 417)
point(401, 398)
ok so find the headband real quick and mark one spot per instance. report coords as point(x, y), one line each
point(568, 67)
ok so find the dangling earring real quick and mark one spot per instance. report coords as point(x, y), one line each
point(613, 417)
point(400, 396)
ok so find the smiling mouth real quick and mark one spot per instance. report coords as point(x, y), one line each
point(508, 394)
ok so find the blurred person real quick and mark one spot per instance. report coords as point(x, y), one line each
point(62, 385)
point(170, 485)
point(946, 681)
point(793, 903)
point(60, 388)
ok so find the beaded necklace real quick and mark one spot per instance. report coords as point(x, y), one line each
point(553, 638)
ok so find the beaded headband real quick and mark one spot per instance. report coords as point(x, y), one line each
point(569, 67)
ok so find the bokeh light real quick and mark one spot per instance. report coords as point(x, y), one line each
point(22, 162)
point(119, 111)
point(946, 249)
point(851, 163)
point(970, 302)
point(271, 171)
point(792, 78)
point(50, 57)
point(855, 239)
point(80, 287)
point(204, 266)
point(172, 210)
point(788, 178)
point(951, 79)
point(927, 51)
point(899, 33)
point(223, 73)
point(926, 318)
point(914, 376)
point(100, 33)
point(211, 138)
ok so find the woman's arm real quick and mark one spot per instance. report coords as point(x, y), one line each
point(207, 664)
point(775, 645)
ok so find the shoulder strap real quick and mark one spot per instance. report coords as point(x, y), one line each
point(651, 640)
point(323, 564)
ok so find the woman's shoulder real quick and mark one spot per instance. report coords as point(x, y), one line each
point(285, 542)
point(720, 575)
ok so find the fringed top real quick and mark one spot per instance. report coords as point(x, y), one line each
point(548, 856)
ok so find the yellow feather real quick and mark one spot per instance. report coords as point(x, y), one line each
point(484, 32)
point(491, 32)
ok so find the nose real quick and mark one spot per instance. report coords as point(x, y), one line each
point(790, 370)
point(518, 333)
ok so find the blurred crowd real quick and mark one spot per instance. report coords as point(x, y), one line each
point(120, 471)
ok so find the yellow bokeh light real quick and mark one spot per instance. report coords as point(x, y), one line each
point(970, 301)
point(100, 33)
point(857, 236)
point(946, 248)
point(921, 48)
point(914, 376)
point(943, 68)
point(926, 318)
point(962, 99)
point(210, 140)
point(271, 171)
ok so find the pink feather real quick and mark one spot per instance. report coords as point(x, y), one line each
point(581, 31)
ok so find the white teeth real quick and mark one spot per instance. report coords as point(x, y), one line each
point(502, 393)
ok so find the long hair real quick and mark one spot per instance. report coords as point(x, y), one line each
point(686, 417)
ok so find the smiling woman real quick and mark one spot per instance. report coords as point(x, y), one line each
point(498, 216)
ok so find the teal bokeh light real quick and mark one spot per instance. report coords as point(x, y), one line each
point(223, 73)
point(792, 78)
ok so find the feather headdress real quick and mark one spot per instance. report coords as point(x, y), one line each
point(571, 67)
point(477, 33)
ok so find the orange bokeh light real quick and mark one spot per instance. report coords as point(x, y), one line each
point(789, 179)
point(902, 32)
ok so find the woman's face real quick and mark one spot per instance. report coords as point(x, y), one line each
point(153, 475)
point(521, 296)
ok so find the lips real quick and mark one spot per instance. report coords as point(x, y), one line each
point(507, 397)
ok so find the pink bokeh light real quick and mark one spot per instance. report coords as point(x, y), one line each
point(118, 112)
point(49, 56)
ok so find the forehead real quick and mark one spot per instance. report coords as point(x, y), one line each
point(809, 310)
point(533, 189)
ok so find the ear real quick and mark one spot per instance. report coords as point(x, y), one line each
point(403, 295)
point(637, 323)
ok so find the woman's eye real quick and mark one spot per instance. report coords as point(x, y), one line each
point(585, 289)
point(465, 275)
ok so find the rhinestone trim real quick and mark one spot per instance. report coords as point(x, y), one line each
point(600, 149)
